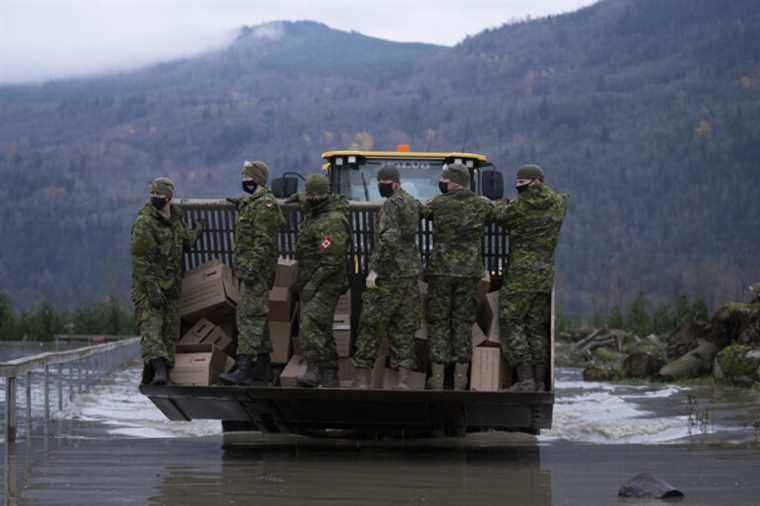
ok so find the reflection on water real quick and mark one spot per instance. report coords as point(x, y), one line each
point(340, 472)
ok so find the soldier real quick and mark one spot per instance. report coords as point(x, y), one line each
point(455, 266)
point(259, 220)
point(533, 223)
point(323, 242)
point(390, 304)
point(158, 239)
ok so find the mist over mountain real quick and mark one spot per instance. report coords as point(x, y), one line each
point(647, 112)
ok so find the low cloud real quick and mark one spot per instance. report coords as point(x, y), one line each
point(50, 39)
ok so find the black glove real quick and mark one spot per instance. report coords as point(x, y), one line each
point(234, 201)
point(156, 297)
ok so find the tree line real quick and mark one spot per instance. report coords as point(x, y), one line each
point(43, 321)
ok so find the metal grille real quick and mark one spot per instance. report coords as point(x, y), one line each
point(217, 241)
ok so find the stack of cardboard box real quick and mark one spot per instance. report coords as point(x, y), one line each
point(342, 335)
point(488, 371)
point(210, 294)
point(283, 313)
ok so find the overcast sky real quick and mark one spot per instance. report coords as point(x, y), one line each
point(44, 39)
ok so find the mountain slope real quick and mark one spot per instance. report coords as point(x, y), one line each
point(647, 112)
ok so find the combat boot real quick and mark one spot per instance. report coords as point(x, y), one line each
point(403, 379)
point(262, 370)
point(361, 378)
point(328, 377)
point(539, 377)
point(310, 378)
point(525, 381)
point(242, 374)
point(160, 372)
point(436, 377)
point(460, 376)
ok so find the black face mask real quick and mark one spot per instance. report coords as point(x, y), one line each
point(158, 202)
point(522, 189)
point(444, 187)
point(385, 189)
point(249, 186)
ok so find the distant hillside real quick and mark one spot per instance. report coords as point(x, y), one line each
point(647, 112)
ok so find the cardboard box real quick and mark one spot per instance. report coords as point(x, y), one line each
point(295, 367)
point(199, 364)
point(211, 288)
point(487, 370)
point(280, 304)
point(281, 334)
point(344, 304)
point(345, 370)
point(493, 325)
point(286, 274)
point(342, 335)
point(205, 332)
point(422, 332)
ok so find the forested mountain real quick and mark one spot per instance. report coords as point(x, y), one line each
point(647, 112)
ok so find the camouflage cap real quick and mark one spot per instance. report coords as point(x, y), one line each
point(162, 186)
point(258, 171)
point(458, 173)
point(530, 171)
point(389, 174)
point(317, 183)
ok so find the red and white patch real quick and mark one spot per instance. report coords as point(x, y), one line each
point(326, 243)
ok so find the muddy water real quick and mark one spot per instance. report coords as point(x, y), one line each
point(114, 447)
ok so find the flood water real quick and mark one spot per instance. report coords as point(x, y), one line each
point(111, 446)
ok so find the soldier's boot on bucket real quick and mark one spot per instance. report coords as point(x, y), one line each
point(403, 379)
point(539, 377)
point(160, 371)
point(525, 381)
point(242, 374)
point(460, 376)
point(262, 370)
point(361, 378)
point(436, 377)
point(310, 378)
point(328, 378)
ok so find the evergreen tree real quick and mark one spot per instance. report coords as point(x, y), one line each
point(664, 319)
point(699, 309)
point(615, 320)
point(639, 321)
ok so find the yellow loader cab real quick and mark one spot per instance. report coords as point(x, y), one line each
point(353, 174)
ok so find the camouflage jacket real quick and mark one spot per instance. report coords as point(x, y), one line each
point(396, 253)
point(258, 223)
point(323, 244)
point(157, 247)
point(533, 223)
point(458, 220)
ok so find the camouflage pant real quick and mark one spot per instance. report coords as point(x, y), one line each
point(253, 328)
point(524, 327)
point(391, 309)
point(316, 331)
point(451, 307)
point(159, 329)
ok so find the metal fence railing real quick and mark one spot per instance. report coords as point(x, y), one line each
point(74, 370)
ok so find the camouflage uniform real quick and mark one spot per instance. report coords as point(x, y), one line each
point(533, 223)
point(323, 243)
point(259, 220)
point(157, 247)
point(455, 266)
point(392, 308)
